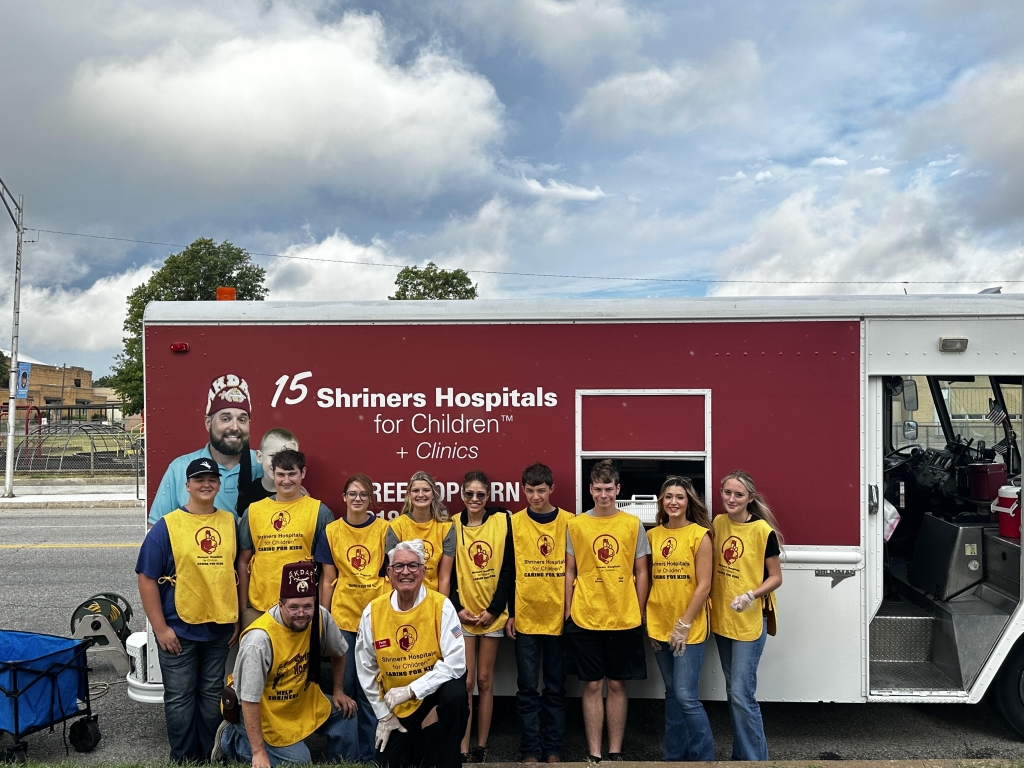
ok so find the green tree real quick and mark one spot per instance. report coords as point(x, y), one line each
point(192, 275)
point(433, 283)
point(103, 381)
point(5, 371)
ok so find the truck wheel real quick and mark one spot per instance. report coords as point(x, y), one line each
point(1009, 689)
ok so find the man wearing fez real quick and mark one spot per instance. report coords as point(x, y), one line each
point(227, 422)
point(411, 662)
point(186, 571)
point(276, 681)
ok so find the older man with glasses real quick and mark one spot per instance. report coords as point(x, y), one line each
point(411, 662)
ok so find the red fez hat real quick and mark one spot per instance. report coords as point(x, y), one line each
point(298, 580)
point(228, 391)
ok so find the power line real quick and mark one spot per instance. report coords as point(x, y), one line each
point(699, 280)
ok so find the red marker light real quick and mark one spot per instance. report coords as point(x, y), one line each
point(179, 346)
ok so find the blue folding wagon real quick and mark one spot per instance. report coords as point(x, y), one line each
point(44, 680)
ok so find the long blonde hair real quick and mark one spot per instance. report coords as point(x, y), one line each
point(758, 505)
point(696, 510)
point(437, 508)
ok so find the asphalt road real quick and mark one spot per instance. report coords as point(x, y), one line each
point(52, 560)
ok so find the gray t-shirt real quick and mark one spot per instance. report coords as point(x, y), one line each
point(643, 546)
point(447, 546)
point(255, 654)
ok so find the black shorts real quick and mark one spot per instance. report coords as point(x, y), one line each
point(595, 654)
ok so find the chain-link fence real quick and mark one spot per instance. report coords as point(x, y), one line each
point(78, 449)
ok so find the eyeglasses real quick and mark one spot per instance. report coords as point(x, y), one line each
point(470, 495)
point(410, 567)
point(354, 495)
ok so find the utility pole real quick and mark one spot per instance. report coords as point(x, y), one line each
point(18, 217)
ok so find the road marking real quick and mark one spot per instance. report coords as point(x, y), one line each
point(78, 526)
point(68, 546)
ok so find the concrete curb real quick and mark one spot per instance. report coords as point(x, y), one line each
point(57, 503)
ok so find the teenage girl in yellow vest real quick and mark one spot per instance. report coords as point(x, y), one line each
point(484, 571)
point(677, 615)
point(353, 558)
point(747, 572)
point(424, 517)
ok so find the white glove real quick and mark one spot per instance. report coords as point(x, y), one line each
point(384, 728)
point(677, 640)
point(740, 603)
point(397, 696)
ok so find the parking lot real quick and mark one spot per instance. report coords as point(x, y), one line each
point(53, 559)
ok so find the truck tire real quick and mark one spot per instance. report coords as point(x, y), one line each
point(1008, 688)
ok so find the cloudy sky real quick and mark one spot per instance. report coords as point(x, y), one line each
point(840, 146)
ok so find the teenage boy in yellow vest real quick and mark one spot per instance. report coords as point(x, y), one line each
point(606, 580)
point(273, 532)
point(411, 661)
point(536, 610)
point(186, 570)
point(276, 680)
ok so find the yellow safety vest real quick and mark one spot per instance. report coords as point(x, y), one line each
point(407, 644)
point(203, 547)
point(432, 533)
point(605, 588)
point(738, 568)
point(540, 573)
point(358, 554)
point(673, 581)
point(289, 709)
point(282, 532)
point(479, 553)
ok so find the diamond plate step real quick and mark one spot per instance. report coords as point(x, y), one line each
point(902, 632)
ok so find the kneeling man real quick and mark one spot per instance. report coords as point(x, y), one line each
point(276, 681)
point(411, 662)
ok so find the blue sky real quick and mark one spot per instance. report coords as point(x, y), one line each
point(791, 148)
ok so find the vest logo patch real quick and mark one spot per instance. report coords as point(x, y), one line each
point(606, 548)
point(281, 520)
point(480, 553)
point(668, 547)
point(545, 545)
point(358, 556)
point(382, 644)
point(428, 551)
point(208, 540)
point(732, 550)
point(406, 637)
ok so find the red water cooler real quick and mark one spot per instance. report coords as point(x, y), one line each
point(1007, 505)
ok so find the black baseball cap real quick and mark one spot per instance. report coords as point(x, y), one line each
point(198, 467)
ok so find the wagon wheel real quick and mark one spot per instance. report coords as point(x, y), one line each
point(84, 735)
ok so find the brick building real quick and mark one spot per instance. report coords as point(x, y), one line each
point(56, 385)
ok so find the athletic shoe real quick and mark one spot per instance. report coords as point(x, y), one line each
point(217, 753)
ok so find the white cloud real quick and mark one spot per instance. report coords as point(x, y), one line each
point(561, 190)
point(565, 35)
point(868, 235)
point(949, 159)
point(879, 171)
point(738, 176)
point(297, 106)
point(55, 320)
point(828, 161)
point(763, 176)
point(318, 272)
point(667, 102)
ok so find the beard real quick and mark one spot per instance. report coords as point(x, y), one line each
point(219, 442)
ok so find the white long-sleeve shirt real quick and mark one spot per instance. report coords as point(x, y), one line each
point(450, 666)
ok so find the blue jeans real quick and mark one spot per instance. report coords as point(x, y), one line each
point(366, 722)
point(339, 730)
point(541, 716)
point(739, 663)
point(193, 681)
point(687, 730)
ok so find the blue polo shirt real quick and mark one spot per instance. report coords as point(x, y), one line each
point(172, 494)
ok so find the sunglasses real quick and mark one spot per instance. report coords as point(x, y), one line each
point(470, 495)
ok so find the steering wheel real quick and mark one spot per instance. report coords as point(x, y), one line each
point(902, 455)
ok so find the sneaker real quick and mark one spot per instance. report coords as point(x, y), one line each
point(615, 757)
point(478, 754)
point(592, 760)
point(217, 753)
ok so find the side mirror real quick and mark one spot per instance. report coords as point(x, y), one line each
point(910, 396)
point(910, 430)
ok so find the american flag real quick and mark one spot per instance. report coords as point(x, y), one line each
point(1000, 447)
point(457, 631)
point(996, 415)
